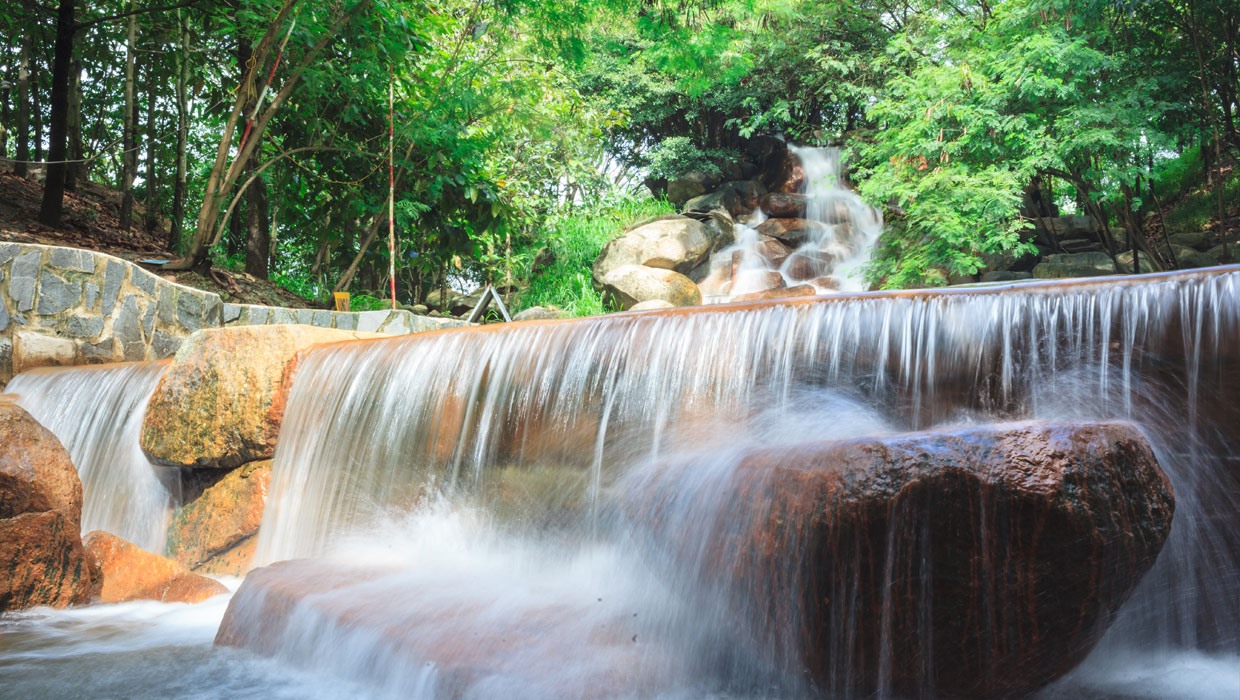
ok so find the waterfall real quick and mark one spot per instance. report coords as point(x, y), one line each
point(540, 429)
point(96, 412)
point(831, 255)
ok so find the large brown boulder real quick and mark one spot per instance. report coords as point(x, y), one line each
point(132, 573)
point(984, 562)
point(793, 232)
point(478, 646)
point(216, 532)
point(221, 401)
point(671, 243)
point(784, 204)
point(630, 285)
point(41, 557)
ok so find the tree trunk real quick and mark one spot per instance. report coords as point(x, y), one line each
point(75, 170)
point(54, 185)
point(129, 116)
point(176, 231)
point(21, 168)
point(152, 169)
point(36, 117)
point(258, 230)
point(224, 175)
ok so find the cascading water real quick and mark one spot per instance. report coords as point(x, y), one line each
point(544, 429)
point(840, 232)
point(96, 412)
point(474, 498)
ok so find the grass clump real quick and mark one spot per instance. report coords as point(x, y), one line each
point(574, 240)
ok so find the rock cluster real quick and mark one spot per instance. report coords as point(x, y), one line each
point(41, 551)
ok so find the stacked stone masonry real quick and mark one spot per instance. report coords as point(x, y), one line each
point(67, 306)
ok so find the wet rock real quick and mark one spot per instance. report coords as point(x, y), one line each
point(41, 553)
point(773, 251)
point(800, 290)
point(215, 532)
point(790, 177)
point(784, 205)
point(629, 285)
point(807, 264)
point(753, 281)
point(750, 193)
point(678, 243)
point(132, 573)
point(221, 401)
point(981, 562)
point(792, 232)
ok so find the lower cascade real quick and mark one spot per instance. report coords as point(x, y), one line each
point(1027, 491)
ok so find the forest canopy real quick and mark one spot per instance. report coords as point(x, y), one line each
point(256, 132)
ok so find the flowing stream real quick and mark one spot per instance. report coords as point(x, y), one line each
point(466, 496)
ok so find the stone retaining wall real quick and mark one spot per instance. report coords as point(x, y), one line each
point(67, 306)
point(397, 322)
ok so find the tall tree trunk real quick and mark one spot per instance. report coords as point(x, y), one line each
point(36, 117)
point(258, 230)
point(54, 184)
point(176, 231)
point(5, 113)
point(225, 174)
point(21, 168)
point(75, 169)
point(129, 138)
point(152, 170)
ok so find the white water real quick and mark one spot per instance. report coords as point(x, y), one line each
point(836, 251)
point(529, 421)
point(96, 412)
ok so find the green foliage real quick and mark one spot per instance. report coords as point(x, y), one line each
point(368, 302)
point(678, 155)
point(575, 239)
point(1197, 209)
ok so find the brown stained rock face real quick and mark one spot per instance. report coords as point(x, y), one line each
point(792, 231)
point(801, 290)
point(41, 557)
point(980, 563)
point(132, 573)
point(221, 401)
point(215, 532)
point(36, 474)
point(42, 561)
point(629, 285)
point(784, 204)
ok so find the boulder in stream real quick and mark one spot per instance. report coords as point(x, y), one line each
point(980, 562)
point(41, 551)
point(132, 573)
point(221, 402)
point(630, 285)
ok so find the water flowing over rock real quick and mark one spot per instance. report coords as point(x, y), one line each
point(221, 402)
point(97, 412)
point(981, 562)
point(41, 551)
point(132, 573)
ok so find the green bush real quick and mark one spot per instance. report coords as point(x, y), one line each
point(678, 155)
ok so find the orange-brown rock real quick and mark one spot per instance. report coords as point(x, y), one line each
point(792, 231)
point(474, 646)
point(132, 573)
point(221, 401)
point(784, 204)
point(215, 533)
point(36, 473)
point(41, 557)
point(43, 562)
point(982, 562)
point(800, 290)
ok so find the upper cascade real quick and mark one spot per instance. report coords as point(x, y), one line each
point(819, 238)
